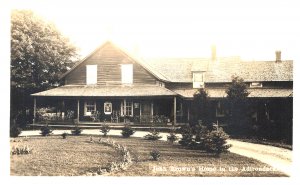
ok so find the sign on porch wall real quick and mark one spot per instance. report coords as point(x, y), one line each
point(107, 108)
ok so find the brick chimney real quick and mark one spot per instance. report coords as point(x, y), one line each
point(278, 56)
point(213, 53)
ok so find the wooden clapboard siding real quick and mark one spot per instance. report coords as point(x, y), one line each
point(108, 60)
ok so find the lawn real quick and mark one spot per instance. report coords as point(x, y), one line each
point(76, 156)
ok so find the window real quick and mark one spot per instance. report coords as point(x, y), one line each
point(198, 80)
point(91, 74)
point(255, 84)
point(127, 108)
point(89, 108)
point(160, 84)
point(220, 112)
point(127, 73)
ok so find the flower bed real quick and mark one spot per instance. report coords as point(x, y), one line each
point(123, 164)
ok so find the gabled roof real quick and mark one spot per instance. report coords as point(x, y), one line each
point(139, 61)
point(219, 71)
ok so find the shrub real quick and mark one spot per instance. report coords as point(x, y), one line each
point(172, 136)
point(15, 131)
point(187, 135)
point(153, 135)
point(76, 131)
point(215, 141)
point(64, 135)
point(104, 129)
point(127, 131)
point(155, 154)
point(20, 150)
point(46, 131)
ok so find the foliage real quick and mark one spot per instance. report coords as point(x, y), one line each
point(155, 154)
point(104, 129)
point(116, 166)
point(16, 150)
point(64, 135)
point(187, 135)
point(199, 137)
point(237, 91)
point(215, 141)
point(153, 135)
point(15, 131)
point(159, 119)
point(76, 131)
point(39, 55)
point(172, 136)
point(201, 106)
point(127, 131)
point(46, 131)
point(237, 101)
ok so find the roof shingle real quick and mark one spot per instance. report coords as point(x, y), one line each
point(106, 91)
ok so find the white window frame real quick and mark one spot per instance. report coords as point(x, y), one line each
point(198, 84)
point(89, 103)
point(256, 85)
point(124, 106)
point(91, 74)
point(127, 73)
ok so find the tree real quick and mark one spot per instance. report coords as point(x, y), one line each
point(39, 55)
point(200, 106)
point(237, 94)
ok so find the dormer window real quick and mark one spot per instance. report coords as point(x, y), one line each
point(91, 74)
point(255, 84)
point(127, 73)
point(198, 80)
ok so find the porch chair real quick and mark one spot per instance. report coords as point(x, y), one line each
point(115, 117)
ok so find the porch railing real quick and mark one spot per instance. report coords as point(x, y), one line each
point(149, 119)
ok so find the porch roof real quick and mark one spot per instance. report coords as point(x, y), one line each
point(106, 91)
point(257, 93)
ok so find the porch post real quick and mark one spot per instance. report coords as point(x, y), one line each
point(140, 112)
point(34, 110)
point(175, 111)
point(152, 109)
point(188, 114)
point(63, 110)
point(78, 111)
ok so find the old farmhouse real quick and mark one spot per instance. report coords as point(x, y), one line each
point(111, 86)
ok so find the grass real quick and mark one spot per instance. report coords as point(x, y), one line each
point(54, 156)
point(268, 142)
point(75, 156)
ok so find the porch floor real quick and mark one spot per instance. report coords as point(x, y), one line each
point(93, 125)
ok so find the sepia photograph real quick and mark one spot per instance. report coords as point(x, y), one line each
point(151, 89)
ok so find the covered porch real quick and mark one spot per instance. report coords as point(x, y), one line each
point(115, 105)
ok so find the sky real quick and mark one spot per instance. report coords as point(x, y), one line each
point(188, 28)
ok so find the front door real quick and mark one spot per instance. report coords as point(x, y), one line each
point(146, 109)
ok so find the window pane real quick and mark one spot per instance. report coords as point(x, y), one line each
point(127, 73)
point(91, 74)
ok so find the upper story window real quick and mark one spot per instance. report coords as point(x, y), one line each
point(127, 73)
point(91, 74)
point(198, 79)
point(255, 84)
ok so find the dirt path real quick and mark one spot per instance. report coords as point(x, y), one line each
point(279, 158)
